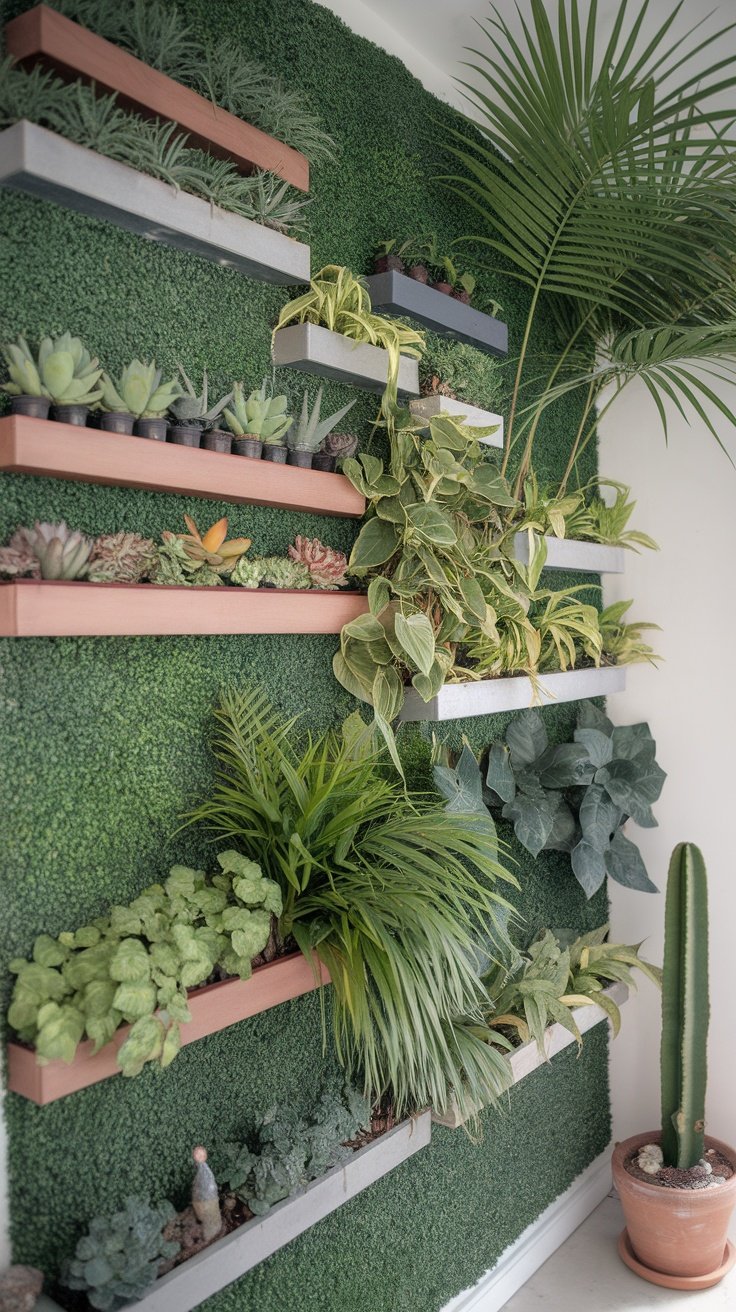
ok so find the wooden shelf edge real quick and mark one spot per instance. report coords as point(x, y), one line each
point(41, 35)
point(88, 455)
point(214, 1008)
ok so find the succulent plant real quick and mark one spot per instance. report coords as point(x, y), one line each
point(18, 561)
point(326, 566)
point(258, 415)
point(118, 1259)
point(62, 553)
point(139, 391)
point(342, 446)
point(191, 409)
point(64, 371)
point(121, 558)
point(275, 571)
point(310, 432)
point(212, 549)
point(174, 568)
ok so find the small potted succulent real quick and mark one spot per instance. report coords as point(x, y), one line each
point(137, 401)
point(306, 437)
point(64, 374)
point(194, 423)
point(258, 422)
point(678, 1187)
point(387, 258)
point(335, 448)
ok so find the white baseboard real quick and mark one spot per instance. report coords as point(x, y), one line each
point(538, 1242)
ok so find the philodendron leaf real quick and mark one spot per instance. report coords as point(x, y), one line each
point(599, 817)
point(564, 766)
point(473, 597)
point(387, 693)
point(624, 864)
point(590, 717)
point(589, 866)
point(416, 635)
point(633, 785)
point(499, 775)
point(527, 738)
point(379, 595)
point(463, 785)
point(376, 543)
point(428, 685)
point(599, 746)
point(532, 821)
point(431, 524)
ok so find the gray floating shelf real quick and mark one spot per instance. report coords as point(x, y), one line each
point(316, 350)
point(572, 554)
point(395, 293)
point(457, 701)
point(229, 1258)
point(46, 165)
point(430, 407)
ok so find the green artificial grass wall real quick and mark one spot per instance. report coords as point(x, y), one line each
point(106, 740)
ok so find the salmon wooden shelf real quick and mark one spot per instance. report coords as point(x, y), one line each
point(89, 455)
point(43, 164)
point(213, 1008)
point(43, 36)
point(527, 1058)
point(37, 608)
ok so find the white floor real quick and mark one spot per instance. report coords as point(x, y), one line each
point(587, 1273)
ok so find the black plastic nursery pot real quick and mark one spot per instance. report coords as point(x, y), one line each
point(36, 407)
point(117, 421)
point(388, 264)
point(218, 439)
point(154, 429)
point(248, 446)
point(444, 287)
point(185, 434)
point(419, 272)
point(324, 462)
point(304, 459)
point(275, 453)
point(71, 414)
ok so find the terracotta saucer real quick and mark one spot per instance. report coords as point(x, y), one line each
point(626, 1253)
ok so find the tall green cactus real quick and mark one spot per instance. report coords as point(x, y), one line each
point(684, 1008)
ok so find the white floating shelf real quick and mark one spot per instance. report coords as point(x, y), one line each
point(46, 165)
point(528, 1058)
point(229, 1258)
point(430, 407)
point(572, 554)
point(457, 701)
point(316, 350)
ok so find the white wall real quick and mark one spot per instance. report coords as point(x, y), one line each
point(686, 494)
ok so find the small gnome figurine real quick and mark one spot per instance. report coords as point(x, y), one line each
point(205, 1198)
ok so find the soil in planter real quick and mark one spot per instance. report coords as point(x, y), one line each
point(675, 1177)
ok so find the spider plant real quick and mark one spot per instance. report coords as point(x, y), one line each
point(388, 888)
point(621, 642)
point(604, 181)
point(339, 301)
point(607, 523)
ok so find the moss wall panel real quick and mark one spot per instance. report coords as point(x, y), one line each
point(106, 740)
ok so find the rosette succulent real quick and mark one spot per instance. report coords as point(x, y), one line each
point(343, 446)
point(62, 553)
point(139, 391)
point(121, 558)
point(327, 567)
point(271, 572)
point(18, 561)
point(64, 371)
point(191, 409)
point(211, 549)
point(258, 415)
point(310, 432)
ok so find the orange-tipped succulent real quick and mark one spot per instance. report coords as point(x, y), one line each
point(211, 548)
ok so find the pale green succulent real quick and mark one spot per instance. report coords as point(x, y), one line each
point(118, 1259)
point(258, 415)
point(65, 372)
point(139, 391)
point(188, 408)
point(277, 571)
point(309, 433)
point(61, 553)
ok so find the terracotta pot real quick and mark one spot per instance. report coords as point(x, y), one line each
point(676, 1233)
point(153, 429)
point(36, 407)
point(444, 287)
point(388, 264)
point(185, 434)
point(116, 421)
point(419, 272)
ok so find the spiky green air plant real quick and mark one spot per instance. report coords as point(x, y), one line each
point(685, 1008)
point(139, 391)
point(310, 432)
point(258, 415)
point(212, 548)
point(191, 409)
point(64, 370)
point(61, 553)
